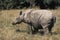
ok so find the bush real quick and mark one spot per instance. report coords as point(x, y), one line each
point(17, 4)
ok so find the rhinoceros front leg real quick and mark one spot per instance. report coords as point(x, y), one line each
point(30, 29)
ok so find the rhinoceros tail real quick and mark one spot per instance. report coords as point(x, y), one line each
point(54, 19)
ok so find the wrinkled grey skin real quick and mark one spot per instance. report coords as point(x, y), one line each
point(37, 19)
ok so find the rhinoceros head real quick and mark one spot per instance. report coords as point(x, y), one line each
point(19, 19)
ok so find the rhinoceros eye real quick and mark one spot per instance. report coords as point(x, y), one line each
point(20, 12)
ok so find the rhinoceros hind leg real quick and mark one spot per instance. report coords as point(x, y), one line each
point(50, 27)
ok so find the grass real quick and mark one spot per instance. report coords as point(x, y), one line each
point(9, 32)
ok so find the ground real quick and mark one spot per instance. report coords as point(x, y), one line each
point(10, 32)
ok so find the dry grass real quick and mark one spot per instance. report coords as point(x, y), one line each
point(9, 32)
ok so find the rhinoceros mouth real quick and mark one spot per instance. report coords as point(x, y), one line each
point(13, 23)
point(16, 23)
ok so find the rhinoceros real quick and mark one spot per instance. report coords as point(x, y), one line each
point(36, 20)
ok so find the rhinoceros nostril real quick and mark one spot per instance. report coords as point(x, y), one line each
point(13, 23)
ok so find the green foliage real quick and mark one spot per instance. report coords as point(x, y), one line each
point(13, 4)
point(9, 4)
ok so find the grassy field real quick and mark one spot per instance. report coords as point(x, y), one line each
point(10, 32)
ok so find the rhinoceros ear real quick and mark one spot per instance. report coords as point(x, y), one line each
point(20, 12)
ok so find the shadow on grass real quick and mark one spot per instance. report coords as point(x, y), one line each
point(39, 32)
point(18, 30)
point(54, 33)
